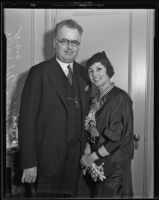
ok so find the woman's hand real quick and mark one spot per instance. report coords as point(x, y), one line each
point(88, 159)
point(94, 132)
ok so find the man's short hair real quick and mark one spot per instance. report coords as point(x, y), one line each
point(70, 23)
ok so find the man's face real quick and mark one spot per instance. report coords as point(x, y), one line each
point(67, 53)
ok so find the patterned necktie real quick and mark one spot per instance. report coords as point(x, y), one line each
point(69, 76)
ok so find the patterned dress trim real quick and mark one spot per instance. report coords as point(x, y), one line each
point(96, 105)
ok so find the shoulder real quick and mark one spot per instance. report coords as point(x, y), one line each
point(120, 95)
point(42, 65)
point(41, 68)
point(81, 70)
point(79, 67)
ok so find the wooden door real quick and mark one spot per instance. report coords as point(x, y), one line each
point(125, 37)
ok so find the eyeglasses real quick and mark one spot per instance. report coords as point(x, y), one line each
point(66, 42)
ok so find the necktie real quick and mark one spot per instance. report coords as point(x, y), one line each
point(69, 76)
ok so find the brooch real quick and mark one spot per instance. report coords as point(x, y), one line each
point(86, 88)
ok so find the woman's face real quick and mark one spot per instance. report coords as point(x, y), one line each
point(98, 74)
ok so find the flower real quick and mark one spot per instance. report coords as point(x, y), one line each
point(86, 88)
point(96, 172)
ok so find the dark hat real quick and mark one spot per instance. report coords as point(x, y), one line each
point(96, 58)
point(102, 58)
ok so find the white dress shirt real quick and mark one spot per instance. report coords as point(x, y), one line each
point(64, 66)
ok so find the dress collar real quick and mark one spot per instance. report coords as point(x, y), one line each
point(104, 92)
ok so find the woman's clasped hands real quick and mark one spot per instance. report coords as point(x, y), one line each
point(88, 165)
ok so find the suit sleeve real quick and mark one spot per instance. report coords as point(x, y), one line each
point(30, 101)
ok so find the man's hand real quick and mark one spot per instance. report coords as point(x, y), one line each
point(87, 149)
point(29, 175)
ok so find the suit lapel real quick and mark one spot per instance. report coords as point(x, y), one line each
point(57, 78)
point(81, 86)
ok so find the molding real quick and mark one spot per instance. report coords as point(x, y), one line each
point(130, 54)
point(54, 15)
point(49, 25)
point(103, 12)
point(32, 37)
point(149, 117)
point(39, 31)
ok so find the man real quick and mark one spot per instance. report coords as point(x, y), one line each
point(51, 115)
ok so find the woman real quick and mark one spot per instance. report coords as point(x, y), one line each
point(106, 162)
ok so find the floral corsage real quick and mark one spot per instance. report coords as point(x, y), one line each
point(96, 172)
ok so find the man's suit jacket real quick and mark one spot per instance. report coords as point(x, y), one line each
point(43, 117)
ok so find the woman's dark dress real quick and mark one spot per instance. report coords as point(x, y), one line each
point(114, 121)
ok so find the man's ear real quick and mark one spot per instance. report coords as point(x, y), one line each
point(54, 43)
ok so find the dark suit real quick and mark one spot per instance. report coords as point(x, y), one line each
point(46, 136)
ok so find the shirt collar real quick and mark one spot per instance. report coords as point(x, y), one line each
point(64, 66)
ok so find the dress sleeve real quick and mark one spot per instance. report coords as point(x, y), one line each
point(114, 132)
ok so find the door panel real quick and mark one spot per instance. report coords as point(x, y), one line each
point(138, 90)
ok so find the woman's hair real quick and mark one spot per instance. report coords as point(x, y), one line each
point(69, 23)
point(102, 58)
